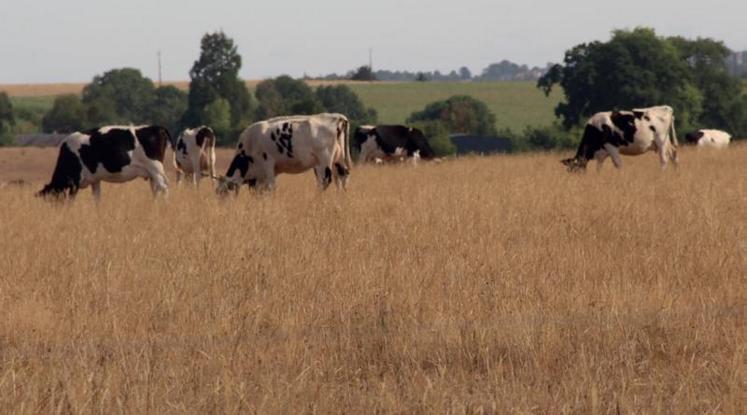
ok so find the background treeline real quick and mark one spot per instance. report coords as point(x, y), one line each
point(633, 69)
point(502, 71)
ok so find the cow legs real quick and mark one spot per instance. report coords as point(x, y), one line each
point(178, 176)
point(614, 153)
point(96, 190)
point(600, 157)
point(323, 175)
point(159, 183)
point(666, 152)
point(341, 176)
point(196, 169)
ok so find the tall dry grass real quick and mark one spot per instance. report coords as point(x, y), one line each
point(492, 285)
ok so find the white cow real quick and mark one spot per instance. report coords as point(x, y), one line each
point(715, 139)
point(114, 154)
point(292, 144)
point(194, 154)
point(632, 133)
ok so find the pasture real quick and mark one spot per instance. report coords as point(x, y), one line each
point(493, 285)
point(515, 104)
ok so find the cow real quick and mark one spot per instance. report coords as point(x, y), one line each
point(715, 139)
point(194, 154)
point(114, 154)
point(390, 142)
point(293, 144)
point(632, 133)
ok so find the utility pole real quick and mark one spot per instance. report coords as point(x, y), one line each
point(160, 80)
point(370, 59)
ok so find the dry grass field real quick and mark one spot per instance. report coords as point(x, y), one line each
point(493, 285)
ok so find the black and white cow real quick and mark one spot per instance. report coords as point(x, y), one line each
point(627, 132)
point(112, 154)
point(715, 139)
point(194, 154)
point(292, 145)
point(390, 142)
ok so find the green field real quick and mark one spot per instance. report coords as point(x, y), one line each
point(515, 104)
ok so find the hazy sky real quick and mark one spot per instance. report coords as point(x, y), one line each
point(73, 40)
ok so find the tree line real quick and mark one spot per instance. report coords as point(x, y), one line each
point(504, 70)
point(633, 69)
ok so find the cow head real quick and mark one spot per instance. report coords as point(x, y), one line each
point(575, 164)
point(225, 186)
point(694, 137)
point(54, 193)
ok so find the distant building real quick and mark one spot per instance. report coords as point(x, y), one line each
point(479, 145)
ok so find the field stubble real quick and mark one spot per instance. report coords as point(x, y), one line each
point(498, 284)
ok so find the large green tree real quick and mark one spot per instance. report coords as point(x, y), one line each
point(7, 120)
point(66, 116)
point(119, 96)
point(215, 75)
point(168, 105)
point(459, 114)
point(343, 100)
point(6, 109)
point(285, 96)
point(723, 104)
point(638, 69)
point(218, 117)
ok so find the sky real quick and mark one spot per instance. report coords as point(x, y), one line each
point(74, 40)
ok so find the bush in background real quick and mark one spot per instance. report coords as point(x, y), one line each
point(67, 115)
point(459, 114)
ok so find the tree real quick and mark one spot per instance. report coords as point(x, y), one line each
point(465, 74)
point(342, 99)
point(217, 115)
point(6, 110)
point(216, 75)
point(723, 104)
point(7, 120)
point(459, 114)
point(421, 77)
point(168, 106)
point(634, 69)
point(285, 96)
point(119, 96)
point(364, 73)
point(67, 115)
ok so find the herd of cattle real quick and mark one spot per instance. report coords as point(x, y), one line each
point(321, 142)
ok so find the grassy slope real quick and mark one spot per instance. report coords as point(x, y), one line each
point(515, 104)
point(40, 104)
point(496, 284)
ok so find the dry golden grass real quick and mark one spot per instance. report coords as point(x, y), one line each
point(501, 285)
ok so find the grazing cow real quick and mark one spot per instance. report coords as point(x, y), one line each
point(390, 142)
point(627, 132)
point(112, 154)
point(194, 154)
point(709, 139)
point(292, 145)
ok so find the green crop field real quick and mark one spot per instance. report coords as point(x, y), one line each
point(35, 104)
point(515, 104)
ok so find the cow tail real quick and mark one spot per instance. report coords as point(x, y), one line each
point(673, 134)
point(346, 144)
